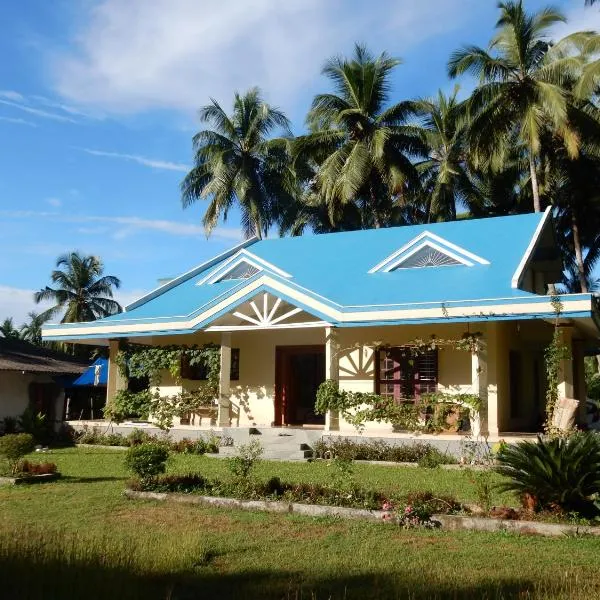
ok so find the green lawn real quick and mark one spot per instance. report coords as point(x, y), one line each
point(80, 538)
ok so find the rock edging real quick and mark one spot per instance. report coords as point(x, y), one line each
point(29, 479)
point(447, 522)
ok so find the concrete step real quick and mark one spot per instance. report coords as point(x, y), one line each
point(271, 453)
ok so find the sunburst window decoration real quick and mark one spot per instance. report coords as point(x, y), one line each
point(242, 271)
point(427, 257)
point(428, 250)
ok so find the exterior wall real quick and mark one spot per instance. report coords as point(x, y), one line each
point(253, 396)
point(14, 392)
point(357, 359)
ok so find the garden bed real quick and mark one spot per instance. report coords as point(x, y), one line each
point(20, 479)
point(445, 521)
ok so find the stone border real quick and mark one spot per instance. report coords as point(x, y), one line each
point(101, 446)
point(447, 522)
point(29, 479)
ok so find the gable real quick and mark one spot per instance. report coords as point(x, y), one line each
point(241, 265)
point(428, 250)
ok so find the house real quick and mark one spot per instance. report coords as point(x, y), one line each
point(86, 396)
point(34, 377)
point(293, 312)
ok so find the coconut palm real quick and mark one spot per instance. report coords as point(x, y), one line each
point(520, 90)
point(237, 163)
point(445, 177)
point(32, 330)
point(83, 292)
point(362, 146)
point(8, 330)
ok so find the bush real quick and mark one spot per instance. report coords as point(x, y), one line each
point(147, 461)
point(36, 424)
point(242, 465)
point(31, 468)
point(379, 450)
point(561, 473)
point(14, 446)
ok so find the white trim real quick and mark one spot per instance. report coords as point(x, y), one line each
point(516, 278)
point(242, 256)
point(397, 264)
point(439, 312)
point(194, 271)
point(308, 324)
point(434, 237)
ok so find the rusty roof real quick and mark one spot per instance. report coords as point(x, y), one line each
point(18, 355)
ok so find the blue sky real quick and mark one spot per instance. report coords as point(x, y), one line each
point(98, 102)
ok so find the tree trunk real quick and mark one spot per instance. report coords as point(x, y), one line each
point(578, 254)
point(374, 208)
point(534, 184)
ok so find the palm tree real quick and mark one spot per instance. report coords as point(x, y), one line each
point(236, 162)
point(445, 177)
point(32, 331)
point(519, 91)
point(362, 147)
point(7, 329)
point(83, 292)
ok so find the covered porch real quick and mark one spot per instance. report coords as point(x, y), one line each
point(274, 355)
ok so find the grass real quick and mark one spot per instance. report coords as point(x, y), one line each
point(80, 538)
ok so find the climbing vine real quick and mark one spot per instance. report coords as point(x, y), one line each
point(554, 354)
point(432, 411)
point(149, 362)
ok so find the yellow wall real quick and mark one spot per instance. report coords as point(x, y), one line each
point(253, 395)
point(14, 392)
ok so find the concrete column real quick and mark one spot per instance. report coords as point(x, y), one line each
point(566, 388)
point(332, 371)
point(224, 419)
point(488, 413)
point(116, 381)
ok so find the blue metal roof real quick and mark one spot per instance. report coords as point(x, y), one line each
point(333, 271)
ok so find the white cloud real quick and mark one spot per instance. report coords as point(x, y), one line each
point(56, 202)
point(138, 55)
point(11, 95)
point(142, 160)
point(130, 224)
point(17, 302)
point(17, 121)
point(579, 18)
point(38, 112)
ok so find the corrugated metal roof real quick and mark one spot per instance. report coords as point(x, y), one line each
point(18, 355)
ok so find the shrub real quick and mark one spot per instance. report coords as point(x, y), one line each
point(434, 458)
point(137, 437)
point(31, 468)
point(8, 425)
point(14, 446)
point(378, 450)
point(242, 465)
point(555, 473)
point(36, 424)
point(147, 461)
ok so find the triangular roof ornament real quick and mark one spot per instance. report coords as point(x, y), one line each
point(241, 265)
point(428, 250)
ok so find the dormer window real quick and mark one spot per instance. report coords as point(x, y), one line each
point(428, 250)
point(427, 256)
point(243, 270)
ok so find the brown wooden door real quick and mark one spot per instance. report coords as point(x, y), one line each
point(299, 370)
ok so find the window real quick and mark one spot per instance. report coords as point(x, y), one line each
point(404, 377)
point(243, 270)
point(198, 372)
point(427, 256)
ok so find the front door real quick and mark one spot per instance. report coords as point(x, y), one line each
point(300, 370)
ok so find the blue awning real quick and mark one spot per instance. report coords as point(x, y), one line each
point(95, 374)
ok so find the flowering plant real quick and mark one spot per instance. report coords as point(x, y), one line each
point(408, 516)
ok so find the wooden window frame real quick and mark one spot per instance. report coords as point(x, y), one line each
point(406, 375)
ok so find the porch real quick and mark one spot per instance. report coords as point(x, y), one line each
point(269, 374)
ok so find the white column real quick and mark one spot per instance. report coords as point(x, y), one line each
point(488, 413)
point(565, 375)
point(116, 381)
point(224, 418)
point(332, 371)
